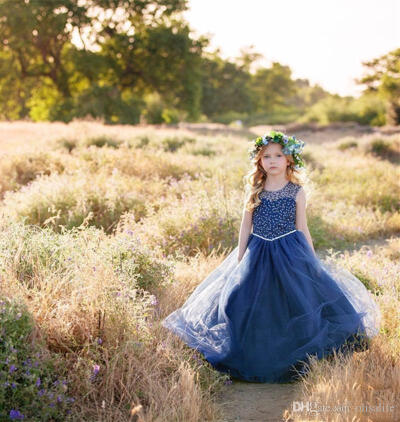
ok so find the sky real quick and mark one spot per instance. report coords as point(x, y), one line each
point(323, 41)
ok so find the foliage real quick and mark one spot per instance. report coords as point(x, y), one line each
point(138, 62)
point(384, 79)
point(30, 388)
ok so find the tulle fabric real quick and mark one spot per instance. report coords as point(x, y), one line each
point(260, 319)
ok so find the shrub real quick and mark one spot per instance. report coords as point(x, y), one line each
point(71, 200)
point(100, 141)
point(203, 233)
point(67, 143)
point(174, 143)
point(19, 169)
point(385, 149)
point(136, 264)
point(347, 143)
point(206, 151)
point(30, 388)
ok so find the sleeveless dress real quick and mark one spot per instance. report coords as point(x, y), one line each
point(259, 320)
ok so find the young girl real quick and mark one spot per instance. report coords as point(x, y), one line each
point(272, 302)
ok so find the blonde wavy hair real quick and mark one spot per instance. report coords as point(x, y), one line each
point(256, 177)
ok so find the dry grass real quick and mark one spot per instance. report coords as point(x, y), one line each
point(350, 388)
point(119, 237)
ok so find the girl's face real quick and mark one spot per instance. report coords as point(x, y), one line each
point(273, 160)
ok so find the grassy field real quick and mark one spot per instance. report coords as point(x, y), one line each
point(107, 229)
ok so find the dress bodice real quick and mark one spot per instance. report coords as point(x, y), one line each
point(276, 215)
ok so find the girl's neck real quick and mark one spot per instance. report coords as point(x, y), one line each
point(275, 183)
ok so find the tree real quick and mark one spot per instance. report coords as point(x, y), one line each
point(272, 86)
point(384, 79)
point(132, 39)
point(225, 86)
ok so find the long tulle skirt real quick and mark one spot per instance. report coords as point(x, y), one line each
point(259, 320)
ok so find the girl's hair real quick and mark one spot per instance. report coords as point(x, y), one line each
point(256, 177)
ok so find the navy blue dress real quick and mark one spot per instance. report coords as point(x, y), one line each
point(261, 319)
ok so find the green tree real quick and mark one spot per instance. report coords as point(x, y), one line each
point(384, 79)
point(131, 48)
point(225, 86)
point(272, 87)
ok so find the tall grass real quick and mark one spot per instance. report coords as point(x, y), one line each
point(103, 237)
point(363, 386)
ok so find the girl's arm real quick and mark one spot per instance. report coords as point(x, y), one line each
point(245, 229)
point(301, 218)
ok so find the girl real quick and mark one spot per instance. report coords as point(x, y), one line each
point(272, 303)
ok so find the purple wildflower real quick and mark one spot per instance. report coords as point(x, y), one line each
point(16, 414)
point(96, 369)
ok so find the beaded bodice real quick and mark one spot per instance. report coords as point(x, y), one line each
point(276, 215)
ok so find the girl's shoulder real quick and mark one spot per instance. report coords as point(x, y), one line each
point(294, 189)
point(294, 186)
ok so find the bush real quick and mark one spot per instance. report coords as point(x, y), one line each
point(205, 151)
point(170, 115)
point(347, 143)
point(203, 233)
point(19, 169)
point(30, 388)
point(364, 110)
point(385, 149)
point(100, 141)
point(67, 143)
point(73, 200)
point(136, 264)
point(172, 144)
point(142, 141)
point(109, 103)
point(157, 111)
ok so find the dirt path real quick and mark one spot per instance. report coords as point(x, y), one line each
point(255, 402)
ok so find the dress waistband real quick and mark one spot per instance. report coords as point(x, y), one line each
point(274, 237)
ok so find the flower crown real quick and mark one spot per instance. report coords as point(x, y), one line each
point(290, 145)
